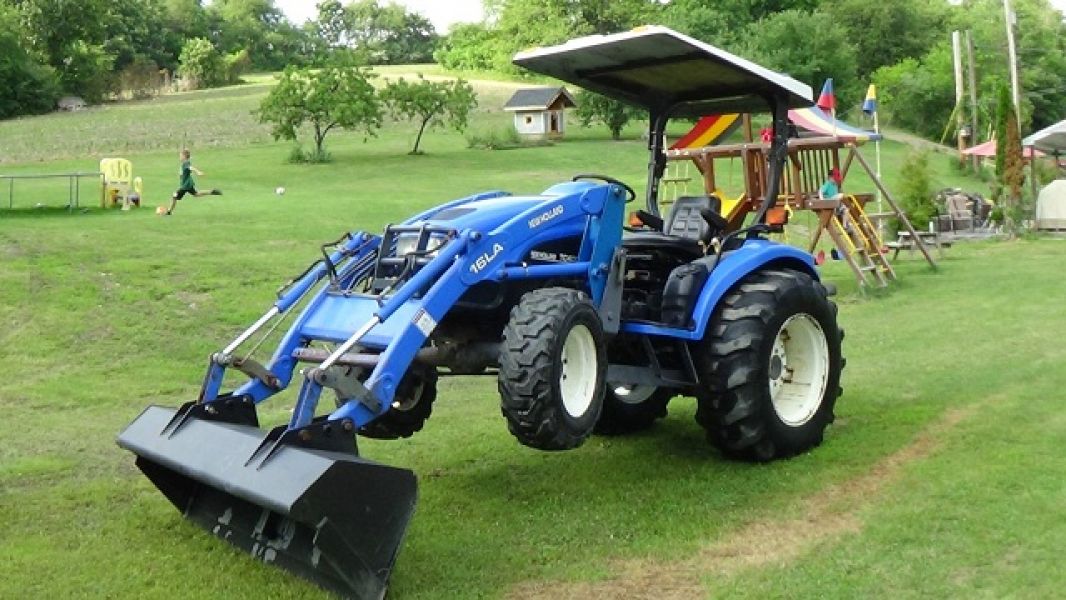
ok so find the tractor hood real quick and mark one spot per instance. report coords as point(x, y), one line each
point(486, 214)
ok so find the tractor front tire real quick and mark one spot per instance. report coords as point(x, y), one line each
point(632, 408)
point(412, 406)
point(552, 369)
point(770, 365)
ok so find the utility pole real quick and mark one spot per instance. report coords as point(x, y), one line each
point(973, 95)
point(1013, 54)
point(956, 55)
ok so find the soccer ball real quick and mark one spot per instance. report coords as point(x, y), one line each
point(280, 191)
point(160, 210)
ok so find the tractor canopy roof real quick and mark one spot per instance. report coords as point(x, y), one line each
point(661, 70)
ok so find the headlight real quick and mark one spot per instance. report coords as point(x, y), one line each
point(406, 243)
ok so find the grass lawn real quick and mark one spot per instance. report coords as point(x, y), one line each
point(942, 476)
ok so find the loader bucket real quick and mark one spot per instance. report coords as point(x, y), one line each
point(328, 516)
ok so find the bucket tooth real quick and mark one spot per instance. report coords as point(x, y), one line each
point(324, 514)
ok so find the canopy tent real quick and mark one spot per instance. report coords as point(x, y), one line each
point(1050, 139)
point(1051, 206)
point(988, 149)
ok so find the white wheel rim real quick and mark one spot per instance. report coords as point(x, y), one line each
point(798, 369)
point(577, 377)
point(631, 393)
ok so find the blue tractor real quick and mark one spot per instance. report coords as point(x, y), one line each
point(587, 324)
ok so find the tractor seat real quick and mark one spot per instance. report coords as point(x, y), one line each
point(684, 230)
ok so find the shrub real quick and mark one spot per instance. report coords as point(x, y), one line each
point(916, 191)
point(494, 138)
point(236, 64)
point(200, 64)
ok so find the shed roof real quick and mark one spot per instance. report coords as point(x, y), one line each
point(538, 98)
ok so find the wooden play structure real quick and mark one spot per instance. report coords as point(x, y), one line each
point(843, 219)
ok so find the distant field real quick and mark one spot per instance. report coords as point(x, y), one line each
point(942, 476)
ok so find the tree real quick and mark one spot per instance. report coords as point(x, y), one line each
point(1010, 166)
point(337, 96)
point(430, 103)
point(885, 33)
point(809, 46)
point(469, 47)
point(384, 33)
point(615, 115)
point(26, 85)
point(918, 95)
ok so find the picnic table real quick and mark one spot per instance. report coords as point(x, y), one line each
point(905, 241)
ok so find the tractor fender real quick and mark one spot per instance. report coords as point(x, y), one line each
point(753, 256)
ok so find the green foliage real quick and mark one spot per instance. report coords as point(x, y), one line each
point(1013, 174)
point(916, 190)
point(809, 46)
point(884, 33)
point(1004, 108)
point(429, 103)
point(918, 95)
point(202, 66)
point(140, 79)
point(26, 85)
point(236, 64)
point(86, 71)
point(469, 47)
point(337, 96)
point(503, 137)
point(593, 107)
point(384, 34)
point(704, 21)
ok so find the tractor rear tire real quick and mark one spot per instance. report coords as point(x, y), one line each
point(770, 366)
point(629, 409)
point(412, 406)
point(552, 369)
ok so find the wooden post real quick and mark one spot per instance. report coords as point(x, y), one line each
point(895, 207)
point(972, 77)
point(746, 120)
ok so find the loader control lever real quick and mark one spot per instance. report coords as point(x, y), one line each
point(630, 194)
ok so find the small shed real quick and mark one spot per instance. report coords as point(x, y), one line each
point(539, 112)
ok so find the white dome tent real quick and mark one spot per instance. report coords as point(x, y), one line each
point(1051, 202)
point(1051, 206)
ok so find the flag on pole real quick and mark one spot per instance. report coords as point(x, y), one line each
point(869, 105)
point(827, 100)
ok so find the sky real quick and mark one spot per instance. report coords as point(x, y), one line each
point(442, 13)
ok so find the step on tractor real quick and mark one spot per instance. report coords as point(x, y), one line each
point(591, 323)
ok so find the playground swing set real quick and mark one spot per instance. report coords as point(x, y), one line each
point(855, 237)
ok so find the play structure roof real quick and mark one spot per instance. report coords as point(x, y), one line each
point(989, 149)
point(1050, 139)
point(660, 69)
point(812, 118)
point(712, 129)
point(539, 98)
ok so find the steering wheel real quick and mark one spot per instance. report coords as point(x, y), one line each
point(629, 191)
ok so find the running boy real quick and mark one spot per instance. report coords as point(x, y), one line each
point(186, 184)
